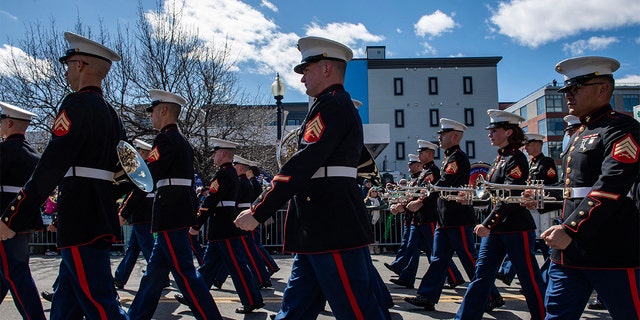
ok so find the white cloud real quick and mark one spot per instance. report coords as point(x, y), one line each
point(255, 41)
point(14, 61)
point(638, 40)
point(428, 49)
point(591, 44)
point(398, 30)
point(629, 79)
point(535, 22)
point(8, 15)
point(434, 24)
point(267, 4)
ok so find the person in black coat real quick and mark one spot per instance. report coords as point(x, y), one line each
point(18, 161)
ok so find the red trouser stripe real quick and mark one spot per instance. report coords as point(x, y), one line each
point(538, 290)
point(236, 265)
point(252, 259)
point(633, 285)
point(347, 286)
point(82, 279)
point(7, 276)
point(174, 260)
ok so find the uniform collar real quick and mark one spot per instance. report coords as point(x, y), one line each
point(169, 127)
point(536, 158)
point(507, 150)
point(596, 114)
point(427, 165)
point(226, 164)
point(451, 150)
point(95, 89)
point(331, 89)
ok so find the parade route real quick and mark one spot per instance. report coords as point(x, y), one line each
point(45, 268)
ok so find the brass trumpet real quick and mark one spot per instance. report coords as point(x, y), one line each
point(465, 194)
point(502, 192)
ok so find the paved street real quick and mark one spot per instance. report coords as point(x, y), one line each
point(44, 270)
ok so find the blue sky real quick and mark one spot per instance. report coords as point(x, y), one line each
point(530, 35)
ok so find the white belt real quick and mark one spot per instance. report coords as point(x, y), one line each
point(581, 192)
point(151, 195)
point(226, 204)
point(174, 182)
point(335, 171)
point(10, 189)
point(90, 173)
point(244, 205)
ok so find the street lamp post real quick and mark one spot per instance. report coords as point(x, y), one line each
point(277, 88)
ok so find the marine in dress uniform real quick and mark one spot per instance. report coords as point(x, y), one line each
point(597, 244)
point(509, 227)
point(137, 213)
point(226, 247)
point(245, 198)
point(271, 264)
point(455, 222)
point(425, 215)
point(81, 160)
point(174, 211)
point(18, 161)
point(542, 169)
point(327, 225)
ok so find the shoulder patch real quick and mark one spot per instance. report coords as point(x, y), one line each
point(154, 155)
point(213, 188)
point(625, 150)
point(515, 173)
point(452, 168)
point(429, 177)
point(62, 124)
point(315, 128)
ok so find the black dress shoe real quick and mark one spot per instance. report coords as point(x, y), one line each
point(402, 283)
point(249, 309)
point(118, 284)
point(504, 278)
point(272, 316)
point(265, 284)
point(180, 298)
point(217, 284)
point(453, 286)
point(47, 295)
point(596, 305)
point(390, 267)
point(274, 271)
point(421, 301)
point(495, 303)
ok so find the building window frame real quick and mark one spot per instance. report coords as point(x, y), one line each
point(400, 150)
point(470, 148)
point(467, 85)
point(629, 101)
point(468, 117)
point(399, 118)
point(433, 85)
point(434, 117)
point(553, 102)
point(398, 89)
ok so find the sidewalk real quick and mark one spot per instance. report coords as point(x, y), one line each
point(45, 268)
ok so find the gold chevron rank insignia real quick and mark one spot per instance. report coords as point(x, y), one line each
point(315, 128)
point(516, 173)
point(154, 155)
point(551, 173)
point(452, 168)
point(213, 188)
point(62, 124)
point(625, 150)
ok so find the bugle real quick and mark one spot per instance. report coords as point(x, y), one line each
point(502, 192)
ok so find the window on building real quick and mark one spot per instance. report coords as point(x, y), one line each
point(630, 101)
point(540, 105)
point(542, 127)
point(554, 102)
point(397, 86)
point(399, 118)
point(525, 129)
point(433, 85)
point(555, 127)
point(468, 117)
point(471, 149)
point(434, 117)
point(400, 151)
point(467, 83)
point(523, 111)
point(555, 149)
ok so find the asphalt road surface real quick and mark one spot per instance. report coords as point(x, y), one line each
point(45, 269)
